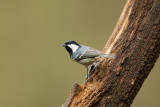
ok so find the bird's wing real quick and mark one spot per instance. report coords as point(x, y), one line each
point(90, 53)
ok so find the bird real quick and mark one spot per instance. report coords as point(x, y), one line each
point(84, 55)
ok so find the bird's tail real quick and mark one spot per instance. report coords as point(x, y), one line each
point(109, 56)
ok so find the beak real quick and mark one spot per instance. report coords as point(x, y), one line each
point(64, 45)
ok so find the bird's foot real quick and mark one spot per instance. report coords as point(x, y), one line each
point(93, 67)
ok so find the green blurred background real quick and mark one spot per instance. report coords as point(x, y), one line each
point(35, 71)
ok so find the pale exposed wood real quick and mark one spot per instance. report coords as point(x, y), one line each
point(120, 27)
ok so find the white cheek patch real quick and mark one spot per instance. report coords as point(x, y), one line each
point(73, 47)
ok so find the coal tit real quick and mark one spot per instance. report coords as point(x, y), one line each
point(84, 54)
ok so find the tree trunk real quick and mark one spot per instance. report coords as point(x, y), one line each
point(136, 42)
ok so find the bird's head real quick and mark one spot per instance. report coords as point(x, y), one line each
point(71, 46)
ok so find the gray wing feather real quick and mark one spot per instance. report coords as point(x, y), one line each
point(92, 53)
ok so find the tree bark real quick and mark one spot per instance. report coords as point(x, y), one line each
point(136, 42)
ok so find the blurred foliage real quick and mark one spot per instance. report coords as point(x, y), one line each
point(35, 71)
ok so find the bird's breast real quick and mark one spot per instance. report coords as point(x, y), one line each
point(87, 62)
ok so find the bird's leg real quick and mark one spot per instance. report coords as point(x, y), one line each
point(87, 73)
